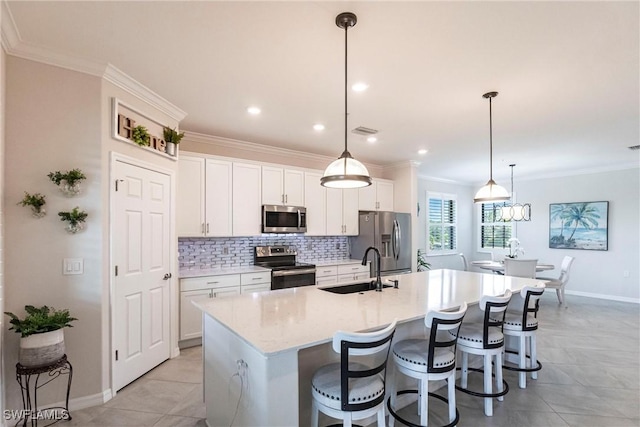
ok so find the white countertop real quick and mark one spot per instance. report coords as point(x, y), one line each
point(337, 262)
point(276, 321)
point(201, 272)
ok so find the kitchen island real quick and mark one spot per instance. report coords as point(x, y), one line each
point(260, 350)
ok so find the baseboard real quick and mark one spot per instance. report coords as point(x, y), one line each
point(603, 296)
point(88, 401)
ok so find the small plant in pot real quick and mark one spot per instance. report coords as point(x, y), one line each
point(42, 335)
point(68, 182)
point(36, 201)
point(172, 138)
point(75, 219)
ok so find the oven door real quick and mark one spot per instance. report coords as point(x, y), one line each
point(292, 278)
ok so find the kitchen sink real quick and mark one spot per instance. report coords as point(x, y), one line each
point(353, 288)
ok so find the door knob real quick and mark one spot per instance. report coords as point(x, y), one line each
point(167, 276)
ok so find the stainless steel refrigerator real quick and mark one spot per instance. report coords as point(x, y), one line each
point(390, 232)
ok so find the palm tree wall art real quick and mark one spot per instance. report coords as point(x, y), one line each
point(579, 226)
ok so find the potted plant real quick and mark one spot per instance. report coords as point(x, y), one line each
point(75, 219)
point(423, 265)
point(41, 334)
point(68, 182)
point(140, 136)
point(172, 138)
point(36, 201)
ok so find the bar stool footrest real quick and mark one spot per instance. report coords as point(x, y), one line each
point(395, 415)
point(515, 368)
point(479, 394)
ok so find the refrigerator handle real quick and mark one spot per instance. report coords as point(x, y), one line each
point(397, 238)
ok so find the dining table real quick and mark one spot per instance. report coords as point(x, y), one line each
point(498, 266)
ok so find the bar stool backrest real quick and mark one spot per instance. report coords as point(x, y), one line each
point(443, 321)
point(374, 347)
point(531, 296)
point(495, 308)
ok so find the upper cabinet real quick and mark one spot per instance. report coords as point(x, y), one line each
point(203, 197)
point(247, 208)
point(316, 198)
point(342, 212)
point(282, 186)
point(376, 197)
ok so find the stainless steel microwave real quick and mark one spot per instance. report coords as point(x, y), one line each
point(284, 219)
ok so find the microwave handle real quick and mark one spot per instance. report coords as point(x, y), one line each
point(299, 219)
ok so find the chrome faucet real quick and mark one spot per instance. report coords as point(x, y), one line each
point(364, 262)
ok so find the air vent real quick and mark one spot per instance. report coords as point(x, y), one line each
point(634, 147)
point(361, 130)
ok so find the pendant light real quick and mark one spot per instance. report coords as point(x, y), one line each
point(346, 172)
point(513, 211)
point(491, 192)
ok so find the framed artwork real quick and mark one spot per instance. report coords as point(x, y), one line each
point(579, 226)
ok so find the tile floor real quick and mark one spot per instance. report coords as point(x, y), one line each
point(590, 351)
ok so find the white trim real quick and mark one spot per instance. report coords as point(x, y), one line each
point(36, 53)
point(137, 89)
point(77, 403)
point(443, 180)
point(173, 248)
point(603, 296)
point(10, 33)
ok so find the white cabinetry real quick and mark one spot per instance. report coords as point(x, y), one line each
point(342, 212)
point(376, 197)
point(203, 205)
point(255, 282)
point(201, 288)
point(350, 272)
point(327, 275)
point(315, 196)
point(246, 199)
point(282, 186)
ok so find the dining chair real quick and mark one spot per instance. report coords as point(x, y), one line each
point(354, 388)
point(487, 340)
point(520, 267)
point(431, 359)
point(465, 264)
point(560, 283)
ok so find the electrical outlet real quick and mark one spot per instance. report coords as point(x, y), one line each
point(625, 273)
point(337, 245)
point(225, 250)
point(309, 247)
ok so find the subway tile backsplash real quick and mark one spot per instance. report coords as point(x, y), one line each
point(225, 252)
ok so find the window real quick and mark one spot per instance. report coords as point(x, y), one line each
point(442, 223)
point(493, 234)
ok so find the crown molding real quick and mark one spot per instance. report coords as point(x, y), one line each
point(137, 89)
point(262, 149)
point(587, 171)
point(9, 30)
point(443, 180)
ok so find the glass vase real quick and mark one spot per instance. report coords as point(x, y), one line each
point(38, 212)
point(70, 190)
point(74, 228)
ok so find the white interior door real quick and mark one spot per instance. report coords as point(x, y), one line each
point(141, 254)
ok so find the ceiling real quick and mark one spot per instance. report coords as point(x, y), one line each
point(567, 74)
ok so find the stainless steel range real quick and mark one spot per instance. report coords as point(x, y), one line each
point(285, 271)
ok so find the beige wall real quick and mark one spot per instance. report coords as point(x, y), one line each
point(2, 157)
point(53, 123)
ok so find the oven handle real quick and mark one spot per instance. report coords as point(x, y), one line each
point(293, 272)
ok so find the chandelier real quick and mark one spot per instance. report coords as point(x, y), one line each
point(513, 211)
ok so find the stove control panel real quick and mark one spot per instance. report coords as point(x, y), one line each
point(266, 251)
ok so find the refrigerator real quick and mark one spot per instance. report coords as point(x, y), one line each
point(390, 233)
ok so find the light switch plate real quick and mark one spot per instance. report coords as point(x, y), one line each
point(72, 266)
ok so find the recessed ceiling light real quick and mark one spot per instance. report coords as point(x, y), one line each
point(422, 152)
point(360, 87)
point(372, 139)
point(318, 127)
point(254, 110)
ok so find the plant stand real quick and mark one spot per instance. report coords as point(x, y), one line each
point(29, 387)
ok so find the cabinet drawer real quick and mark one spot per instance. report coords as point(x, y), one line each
point(353, 268)
point(209, 282)
point(329, 280)
point(255, 278)
point(361, 276)
point(247, 289)
point(328, 270)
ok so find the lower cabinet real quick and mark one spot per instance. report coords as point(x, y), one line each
point(198, 288)
point(332, 274)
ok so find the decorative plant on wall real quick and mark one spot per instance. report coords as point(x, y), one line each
point(423, 265)
point(68, 182)
point(172, 138)
point(75, 219)
point(140, 136)
point(36, 201)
